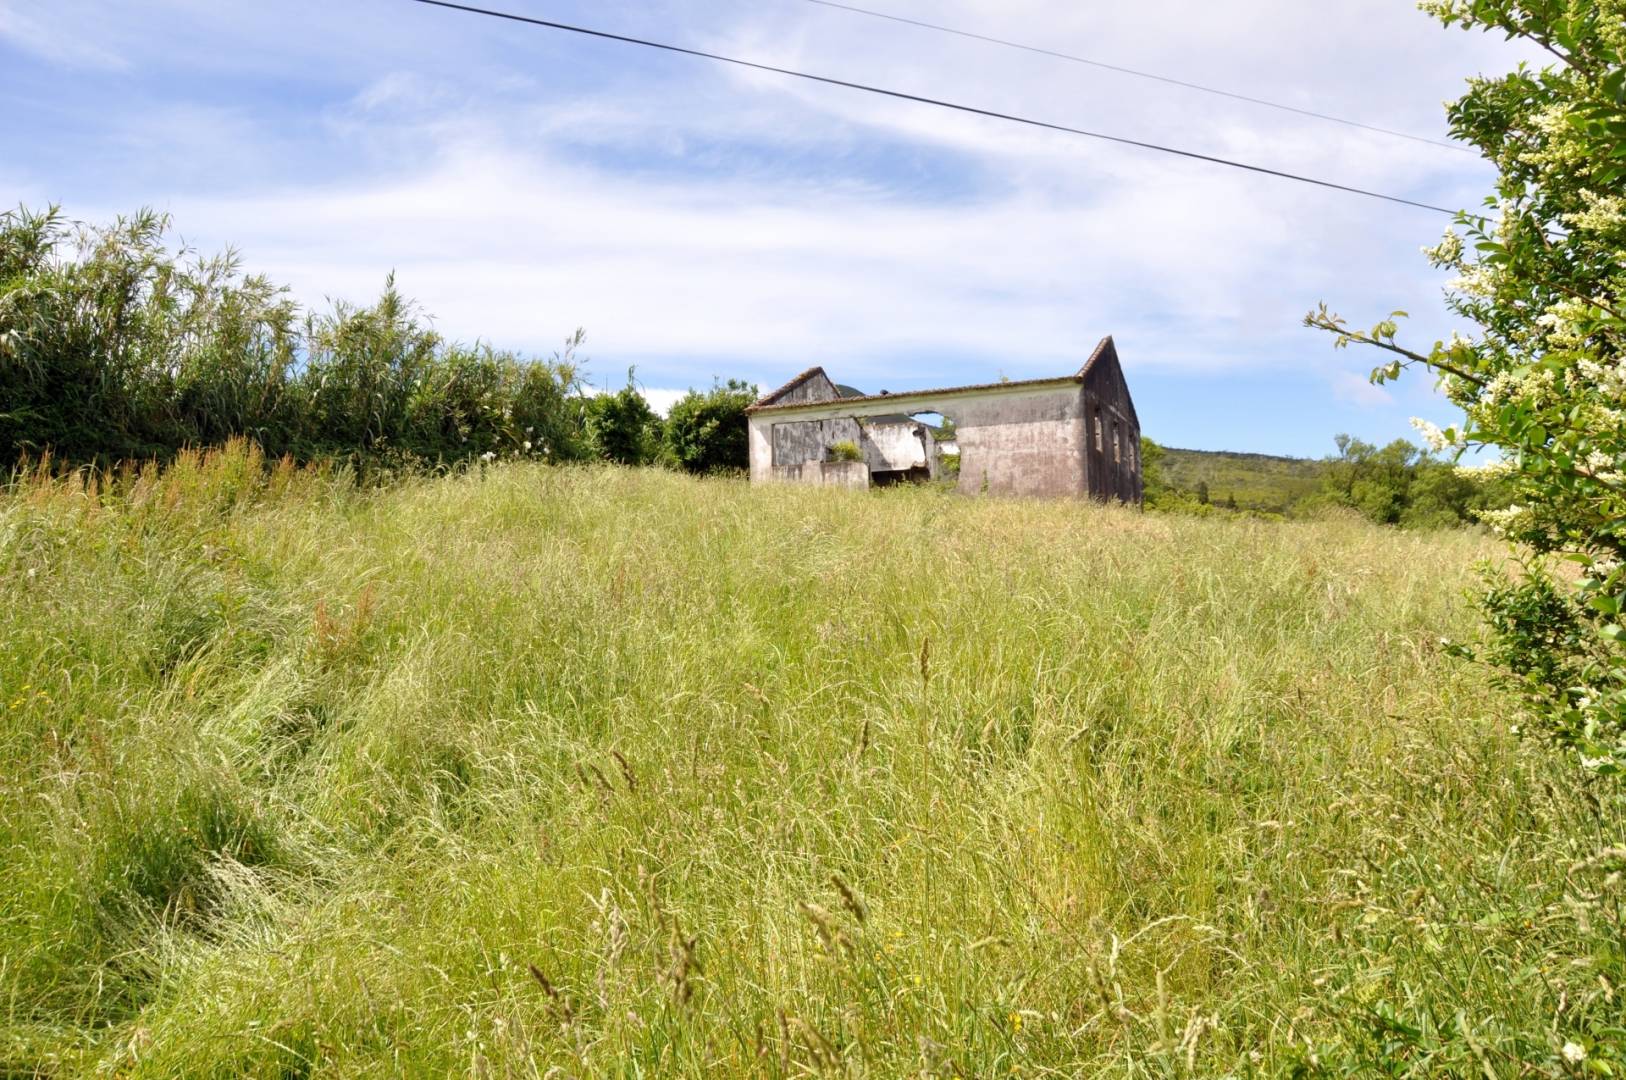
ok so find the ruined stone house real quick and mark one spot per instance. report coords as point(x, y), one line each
point(1071, 435)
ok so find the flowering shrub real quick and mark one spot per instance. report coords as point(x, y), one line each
point(1542, 379)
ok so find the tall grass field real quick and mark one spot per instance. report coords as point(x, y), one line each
point(534, 771)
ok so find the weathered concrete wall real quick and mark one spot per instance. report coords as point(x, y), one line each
point(843, 474)
point(759, 444)
point(1112, 453)
point(810, 440)
point(1021, 443)
point(817, 388)
point(1026, 440)
point(898, 447)
point(1072, 436)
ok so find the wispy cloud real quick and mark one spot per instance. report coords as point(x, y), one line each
point(1361, 391)
point(26, 32)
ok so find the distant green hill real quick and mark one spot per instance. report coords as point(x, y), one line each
point(1256, 481)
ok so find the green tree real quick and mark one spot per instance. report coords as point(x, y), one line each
point(621, 427)
point(1403, 484)
point(1542, 379)
point(1153, 484)
point(1373, 480)
point(706, 432)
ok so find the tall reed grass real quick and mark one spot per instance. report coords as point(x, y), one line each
point(116, 346)
point(538, 771)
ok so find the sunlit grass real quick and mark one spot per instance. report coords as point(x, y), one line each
point(612, 772)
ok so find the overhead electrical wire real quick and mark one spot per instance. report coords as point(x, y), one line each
point(900, 95)
point(1137, 73)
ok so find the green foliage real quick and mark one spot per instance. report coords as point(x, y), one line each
point(706, 432)
point(1401, 484)
point(114, 348)
point(1397, 484)
point(591, 771)
point(621, 427)
point(1154, 486)
point(846, 450)
point(1544, 378)
point(127, 351)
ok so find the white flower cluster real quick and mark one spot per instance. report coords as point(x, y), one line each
point(1537, 387)
point(1534, 388)
point(1488, 470)
point(1603, 213)
point(1505, 520)
point(1474, 280)
point(1436, 439)
point(1447, 254)
point(1500, 388)
point(1562, 321)
point(1447, 10)
point(1602, 466)
point(1609, 378)
point(1562, 150)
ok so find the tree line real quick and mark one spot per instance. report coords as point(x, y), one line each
point(115, 346)
point(1395, 484)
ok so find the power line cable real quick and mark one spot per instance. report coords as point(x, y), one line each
point(1170, 80)
point(938, 103)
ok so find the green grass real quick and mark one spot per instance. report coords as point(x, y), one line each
point(596, 772)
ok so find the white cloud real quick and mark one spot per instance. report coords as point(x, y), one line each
point(1359, 390)
point(703, 221)
point(28, 33)
point(520, 247)
point(660, 399)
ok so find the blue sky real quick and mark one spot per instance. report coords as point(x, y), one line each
point(701, 221)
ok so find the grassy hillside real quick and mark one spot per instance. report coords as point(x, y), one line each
point(593, 772)
point(1257, 481)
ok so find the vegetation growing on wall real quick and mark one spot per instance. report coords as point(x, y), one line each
point(846, 450)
